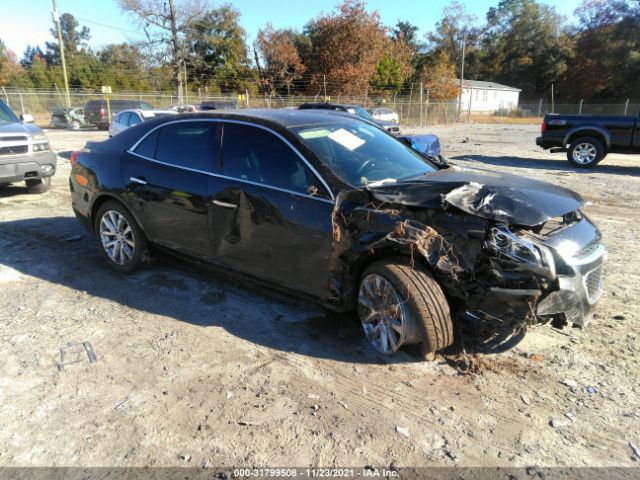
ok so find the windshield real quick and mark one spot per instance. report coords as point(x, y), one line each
point(6, 115)
point(363, 113)
point(362, 154)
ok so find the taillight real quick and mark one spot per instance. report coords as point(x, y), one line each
point(103, 113)
point(543, 127)
point(73, 159)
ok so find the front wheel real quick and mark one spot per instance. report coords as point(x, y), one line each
point(585, 152)
point(401, 305)
point(121, 241)
point(39, 185)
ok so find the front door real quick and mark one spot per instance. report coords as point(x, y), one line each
point(168, 177)
point(271, 216)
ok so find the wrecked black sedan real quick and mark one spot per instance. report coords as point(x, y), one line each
point(337, 210)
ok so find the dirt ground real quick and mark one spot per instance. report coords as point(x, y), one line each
point(190, 369)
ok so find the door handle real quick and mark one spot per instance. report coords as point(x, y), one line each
point(139, 181)
point(224, 204)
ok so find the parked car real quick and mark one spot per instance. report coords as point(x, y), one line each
point(205, 106)
point(71, 118)
point(25, 153)
point(390, 127)
point(385, 114)
point(587, 139)
point(130, 118)
point(96, 112)
point(337, 210)
point(183, 108)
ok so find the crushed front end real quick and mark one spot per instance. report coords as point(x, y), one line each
point(553, 272)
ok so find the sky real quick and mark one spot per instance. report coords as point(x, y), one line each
point(27, 22)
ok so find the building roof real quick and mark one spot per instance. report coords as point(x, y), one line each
point(487, 85)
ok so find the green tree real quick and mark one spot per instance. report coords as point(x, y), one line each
point(74, 40)
point(217, 51)
point(525, 45)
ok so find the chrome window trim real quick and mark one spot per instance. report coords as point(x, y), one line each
point(217, 175)
point(240, 122)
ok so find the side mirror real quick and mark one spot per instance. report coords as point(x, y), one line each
point(26, 118)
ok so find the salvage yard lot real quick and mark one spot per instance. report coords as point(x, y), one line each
point(191, 369)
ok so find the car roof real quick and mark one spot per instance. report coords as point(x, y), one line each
point(279, 117)
point(327, 105)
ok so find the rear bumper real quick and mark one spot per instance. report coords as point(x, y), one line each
point(16, 168)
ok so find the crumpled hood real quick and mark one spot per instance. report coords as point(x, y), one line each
point(500, 197)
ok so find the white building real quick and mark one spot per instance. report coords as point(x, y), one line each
point(488, 97)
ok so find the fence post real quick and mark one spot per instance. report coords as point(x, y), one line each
point(409, 106)
point(540, 108)
point(580, 107)
point(421, 104)
point(426, 113)
point(626, 106)
point(22, 105)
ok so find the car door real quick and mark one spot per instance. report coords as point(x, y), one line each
point(168, 177)
point(271, 214)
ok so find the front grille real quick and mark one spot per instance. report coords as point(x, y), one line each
point(14, 150)
point(594, 284)
point(13, 139)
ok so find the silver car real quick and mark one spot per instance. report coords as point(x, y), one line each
point(130, 118)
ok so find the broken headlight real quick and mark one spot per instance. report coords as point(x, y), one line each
point(522, 250)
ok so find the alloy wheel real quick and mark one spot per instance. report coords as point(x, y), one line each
point(585, 153)
point(117, 238)
point(382, 313)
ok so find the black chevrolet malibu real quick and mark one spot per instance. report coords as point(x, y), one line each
point(335, 209)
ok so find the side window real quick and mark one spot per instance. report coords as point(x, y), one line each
point(148, 146)
point(256, 155)
point(188, 144)
point(134, 119)
point(122, 118)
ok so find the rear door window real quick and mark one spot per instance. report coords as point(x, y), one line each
point(256, 155)
point(134, 119)
point(123, 118)
point(188, 144)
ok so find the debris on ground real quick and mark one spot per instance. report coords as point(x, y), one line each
point(403, 431)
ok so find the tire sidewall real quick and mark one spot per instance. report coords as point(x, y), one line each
point(590, 140)
point(138, 238)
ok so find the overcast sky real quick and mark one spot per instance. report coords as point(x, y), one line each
point(27, 22)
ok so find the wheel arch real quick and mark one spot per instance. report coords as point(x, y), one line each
point(592, 131)
point(101, 200)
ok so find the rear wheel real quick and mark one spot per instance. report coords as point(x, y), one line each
point(585, 152)
point(121, 241)
point(40, 185)
point(401, 305)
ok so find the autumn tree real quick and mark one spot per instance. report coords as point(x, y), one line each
point(454, 28)
point(395, 67)
point(346, 46)
point(10, 68)
point(439, 77)
point(282, 63)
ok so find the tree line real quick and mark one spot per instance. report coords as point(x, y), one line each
point(349, 51)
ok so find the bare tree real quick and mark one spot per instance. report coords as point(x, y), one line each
point(165, 23)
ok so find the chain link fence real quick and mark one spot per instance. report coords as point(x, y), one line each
point(90, 111)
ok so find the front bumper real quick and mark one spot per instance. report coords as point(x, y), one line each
point(580, 258)
point(32, 166)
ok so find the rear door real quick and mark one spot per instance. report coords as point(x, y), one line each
point(168, 176)
point(271, 214)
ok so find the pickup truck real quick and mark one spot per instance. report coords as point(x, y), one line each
point(587, 139)
point(25, 154)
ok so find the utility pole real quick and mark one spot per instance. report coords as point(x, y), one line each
point(464, 42)
point(176, 49)
point(186, 87)
point(56, 20)
point(553, 103)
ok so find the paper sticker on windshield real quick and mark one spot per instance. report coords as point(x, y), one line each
point(347, 139)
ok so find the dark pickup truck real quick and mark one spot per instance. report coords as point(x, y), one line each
point(587, 139)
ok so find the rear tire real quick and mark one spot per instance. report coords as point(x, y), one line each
point(120, 239)
point(585, 152)
point(423, 309)
point(38, 186)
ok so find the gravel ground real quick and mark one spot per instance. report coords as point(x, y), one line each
point(192, 370)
